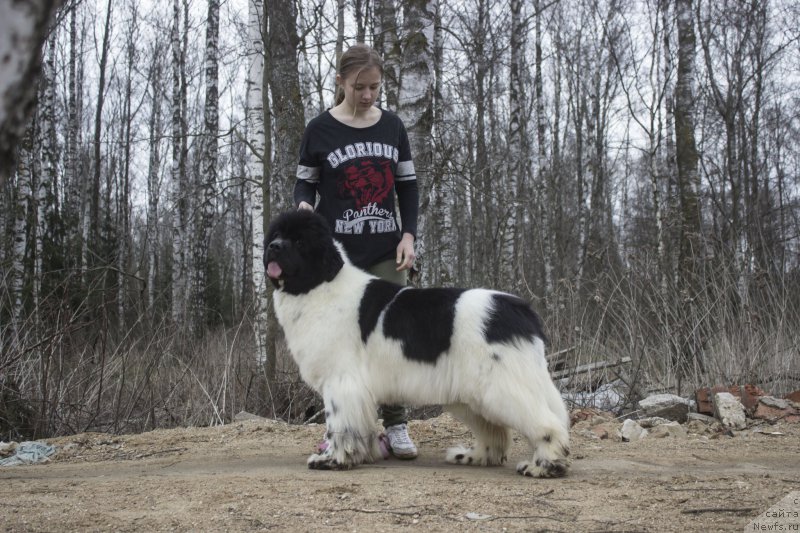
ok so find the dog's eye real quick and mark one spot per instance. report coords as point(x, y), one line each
point(299, 244)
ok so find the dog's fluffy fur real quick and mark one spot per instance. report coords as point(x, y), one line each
point(361, 341)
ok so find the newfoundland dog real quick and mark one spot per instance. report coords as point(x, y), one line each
point(360, 341)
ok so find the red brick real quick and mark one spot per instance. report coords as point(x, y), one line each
point(702, 398)
point(793, 396)
point(750, 395)
point(747, 394)
point(775, 414)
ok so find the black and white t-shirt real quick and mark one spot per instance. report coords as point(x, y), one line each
point(357, 172)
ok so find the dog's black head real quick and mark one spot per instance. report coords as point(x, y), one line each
point(299, 253)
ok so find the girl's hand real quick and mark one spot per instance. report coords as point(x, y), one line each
point(405, 252)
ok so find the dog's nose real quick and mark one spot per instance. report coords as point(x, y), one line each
point(276, 245)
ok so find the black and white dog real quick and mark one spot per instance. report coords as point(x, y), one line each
point(361, 341)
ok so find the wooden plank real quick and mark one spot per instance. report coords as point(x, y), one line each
point(589, 367)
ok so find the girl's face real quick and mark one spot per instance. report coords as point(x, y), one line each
point(361, 89)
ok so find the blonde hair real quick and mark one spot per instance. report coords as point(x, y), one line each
point(357, 58)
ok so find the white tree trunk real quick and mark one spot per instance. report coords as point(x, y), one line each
point(23, 29)
point(47, 177)
point(518, 157)
point(23, 201)
point(415, 98)
point(153, 182)
point(255, 169)
point(543, 168)
point(72, 190)
point(178, 173)
point(416, 90)
point(386, 42)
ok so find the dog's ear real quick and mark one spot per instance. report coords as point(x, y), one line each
point(332, 261)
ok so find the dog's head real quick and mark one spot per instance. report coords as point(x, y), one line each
point(299, 252)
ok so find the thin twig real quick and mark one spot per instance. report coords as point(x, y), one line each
point(384, 511)
point(741, 510)
point(700, 489)
point(160, 452)
point(316, 415)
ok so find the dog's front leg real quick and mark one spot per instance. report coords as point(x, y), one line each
point(352, 436)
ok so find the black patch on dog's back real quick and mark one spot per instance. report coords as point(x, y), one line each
point(512, 318)
point(376, 297)
point(422, 320)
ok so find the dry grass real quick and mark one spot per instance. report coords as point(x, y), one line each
point(64, 374)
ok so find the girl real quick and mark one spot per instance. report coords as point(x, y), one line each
point(356, 158)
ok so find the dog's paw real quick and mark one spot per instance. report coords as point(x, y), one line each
point(543, 468)
point(326, 462)
point(460, 455)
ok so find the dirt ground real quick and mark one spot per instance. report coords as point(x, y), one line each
point(251, 476)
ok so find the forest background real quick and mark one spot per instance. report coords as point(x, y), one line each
point(629, 166)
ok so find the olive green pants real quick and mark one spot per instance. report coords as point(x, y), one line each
point(391, 414)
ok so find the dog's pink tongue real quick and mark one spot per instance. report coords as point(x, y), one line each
point(274, 270)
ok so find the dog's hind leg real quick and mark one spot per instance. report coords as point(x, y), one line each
point(550, 442)
point(545, 425)
point(528, 402)
point(491, 440)
point(351, 427)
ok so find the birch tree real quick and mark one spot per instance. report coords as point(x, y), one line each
point(22, 205)
point(387, 43)
point(415, 98)
point(179, 186)
point(688, 184)
point(517, 137)
point(73, 183)
point(23, 31)
point(255, 169)
point(153, 167)
point(207, 180)
point(686, 149)
point(92, 231)
point(46, 178)
point(46, 204)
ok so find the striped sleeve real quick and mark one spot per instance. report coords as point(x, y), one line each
point(305, 188)
point(405, 163)
point(405, 171)
point(309, 174)
point(406, 186)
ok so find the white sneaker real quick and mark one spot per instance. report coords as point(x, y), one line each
point(400, 443)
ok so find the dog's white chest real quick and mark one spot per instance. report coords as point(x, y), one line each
point(320, 328)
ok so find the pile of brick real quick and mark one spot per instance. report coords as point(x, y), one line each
point(755, 403)
point(715, 411)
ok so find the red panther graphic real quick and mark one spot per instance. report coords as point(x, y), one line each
point(367, 182)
